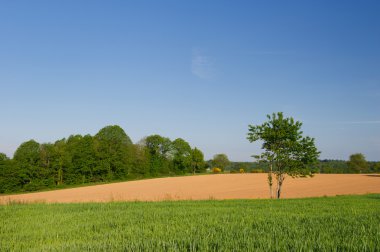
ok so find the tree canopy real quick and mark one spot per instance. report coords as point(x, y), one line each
point(28, 153)
point(357, 163)
point(181, 154)
point(113, 134)
point(221, 161)
point(197, 161)
point(3, 157)
point(287, 151)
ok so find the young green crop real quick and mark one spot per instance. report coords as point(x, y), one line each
point(344, 223)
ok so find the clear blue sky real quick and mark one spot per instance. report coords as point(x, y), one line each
point(200, 70)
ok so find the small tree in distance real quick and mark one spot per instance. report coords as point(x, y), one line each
point(357, 163)
point(221, 161)
point(286, 150)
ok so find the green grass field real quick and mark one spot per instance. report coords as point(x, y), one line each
point(343, 223)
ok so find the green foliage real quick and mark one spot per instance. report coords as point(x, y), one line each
point(159, 149)
point(113, 148)
point(357, 163)
point(333, 166)
point(375, 167)
point(247, 166)
point(62, 163)
point(141, 162)
point(345, 223)
point(3, 157)
point(257, 171)
point(287, 151)
point(197, 161)
point(181, 155)
point(221, 161)
point(158, 145)
point(28, 153)
point(108, 156)
point(322, 166)
point(27, 156)
point(11, 176)
point(113, 135)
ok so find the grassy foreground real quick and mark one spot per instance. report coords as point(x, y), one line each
point(344, 223)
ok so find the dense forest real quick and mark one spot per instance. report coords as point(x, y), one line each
point(110, 155)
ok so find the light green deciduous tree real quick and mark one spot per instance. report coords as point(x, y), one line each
point(286, 150)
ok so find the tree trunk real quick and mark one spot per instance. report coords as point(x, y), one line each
point(280, 180)
point(270, 180)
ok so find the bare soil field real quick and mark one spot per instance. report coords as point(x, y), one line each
point(203, 187)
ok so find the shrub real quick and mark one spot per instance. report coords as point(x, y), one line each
point(241, 170)
point(257, 171)
point(216, 170)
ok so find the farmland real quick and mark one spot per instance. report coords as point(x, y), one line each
point(222, 186)
point(315, 224)
point(221, 212)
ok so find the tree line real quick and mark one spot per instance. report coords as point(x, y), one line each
point(322, 166)
point(110, 155)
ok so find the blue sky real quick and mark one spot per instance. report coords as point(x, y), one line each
point(199, 70)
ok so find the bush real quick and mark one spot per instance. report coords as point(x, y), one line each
point(257, 171)
point(241, 170)
point(216, 170)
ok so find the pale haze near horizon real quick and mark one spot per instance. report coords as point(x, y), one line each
point(202, 71)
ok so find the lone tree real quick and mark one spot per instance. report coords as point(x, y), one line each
point(285, 149)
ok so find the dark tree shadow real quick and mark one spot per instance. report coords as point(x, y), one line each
point(373, 175)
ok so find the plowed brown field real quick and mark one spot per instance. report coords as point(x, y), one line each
point(221, 186)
